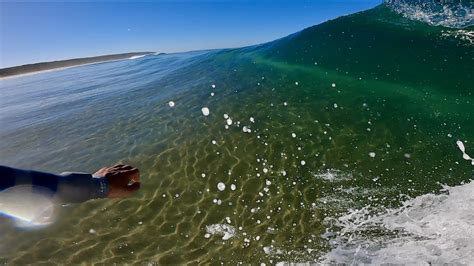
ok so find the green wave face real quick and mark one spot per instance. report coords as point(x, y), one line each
point(378, 81)
point(364, 110)
point(381, 45)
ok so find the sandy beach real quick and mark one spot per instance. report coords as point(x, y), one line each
point(55, 65)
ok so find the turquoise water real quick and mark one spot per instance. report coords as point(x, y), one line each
point(333, 129)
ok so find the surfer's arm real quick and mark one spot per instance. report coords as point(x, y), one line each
point(112, 182)
point(67, 187)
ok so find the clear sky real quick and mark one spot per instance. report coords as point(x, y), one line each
point(35, 31)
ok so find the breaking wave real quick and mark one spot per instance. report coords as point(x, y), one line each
point(431, 228)
point(453, 14)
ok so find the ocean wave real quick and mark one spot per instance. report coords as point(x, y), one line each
point(137, 57)
point(430, 228)
point(453, 14)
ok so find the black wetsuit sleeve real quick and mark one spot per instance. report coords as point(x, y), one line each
point(68, 188)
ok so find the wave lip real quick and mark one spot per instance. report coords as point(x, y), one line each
point(452, 14)
point(137, 57)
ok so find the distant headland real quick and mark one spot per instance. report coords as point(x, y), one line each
point(30, 68)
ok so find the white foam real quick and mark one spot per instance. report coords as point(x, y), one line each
point(454, 14)
point(205, 111)
point(229, 121)
point(429, 229)
point(333, 175)
point(225, 230)
point(462, 148)
point(221, 186)
point(271, 250)
point(136, 57)
point(464, 35)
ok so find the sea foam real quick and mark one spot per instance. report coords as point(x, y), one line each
point(225, 230)
point(431, 228)
point(454, 14)
point(465, 156)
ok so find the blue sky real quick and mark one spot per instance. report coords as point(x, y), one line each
point(36, 31)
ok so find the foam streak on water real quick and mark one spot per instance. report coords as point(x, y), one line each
point(462, 148)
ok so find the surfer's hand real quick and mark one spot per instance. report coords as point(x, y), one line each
point(123, 180)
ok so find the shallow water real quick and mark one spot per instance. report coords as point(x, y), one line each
point(360, 111)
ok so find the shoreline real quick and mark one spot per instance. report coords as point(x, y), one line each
point(30, 69)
